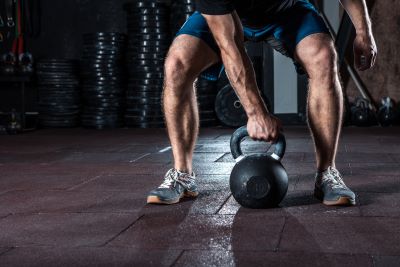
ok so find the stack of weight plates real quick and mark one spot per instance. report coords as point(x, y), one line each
point(206, 94)
point(59, 94)
point(103, 80)
point(148, 44)
point(180, 12)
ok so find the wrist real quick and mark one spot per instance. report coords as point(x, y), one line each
point(364, 30)
point(259, 112)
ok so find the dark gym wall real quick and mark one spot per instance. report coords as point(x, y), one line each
point(64, 21)
point(62, 24)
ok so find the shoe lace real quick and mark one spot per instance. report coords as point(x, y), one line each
point(173, 176)
point(333, 178)
point(170, 179)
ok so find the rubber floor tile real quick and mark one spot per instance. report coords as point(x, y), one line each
point(137, 183)
point(241, 232)
point(383, 169)
point(87, 256)
point(101, 157)
point(256, 258)
point(380, 204)
point(213, 182)
point(63, 229)
point(54, 201)
point(216, 168)
point(33, 181)
point(294, 204)
point(208, 202)
point(32, 158)
point(330, 234)
point(356, 157)
point(374, 183)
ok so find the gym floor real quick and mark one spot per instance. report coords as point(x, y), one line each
point(77, 197)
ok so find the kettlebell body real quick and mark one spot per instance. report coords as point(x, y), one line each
point(386, 113)
point(362, 115)
point(258, 180)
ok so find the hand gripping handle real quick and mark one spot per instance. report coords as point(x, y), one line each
point(241, 133)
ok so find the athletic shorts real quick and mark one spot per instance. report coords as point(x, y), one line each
point(283, 33)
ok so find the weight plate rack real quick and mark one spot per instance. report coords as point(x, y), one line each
point(103, 80)
point(59, 93)
point(148, 42)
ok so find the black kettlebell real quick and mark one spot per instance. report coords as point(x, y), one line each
point(258, 180)
point(387, 113)
point(361, 113)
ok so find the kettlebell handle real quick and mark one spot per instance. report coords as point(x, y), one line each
point(241, 133)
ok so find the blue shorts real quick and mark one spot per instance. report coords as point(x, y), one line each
point(283, 33)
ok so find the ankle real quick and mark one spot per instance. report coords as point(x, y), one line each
point(323, 168)
point(184, 170)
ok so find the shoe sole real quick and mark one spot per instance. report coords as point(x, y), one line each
point(342, 201)
point(157, 200)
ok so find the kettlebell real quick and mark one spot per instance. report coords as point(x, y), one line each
point(362, 114)
point(387, 113)
point(258, 180)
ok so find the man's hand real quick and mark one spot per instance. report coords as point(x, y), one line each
point(265, 128)
point(365, 51)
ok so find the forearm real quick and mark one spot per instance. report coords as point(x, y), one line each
point(228, 34)
point(241, 74)
point(358, 12)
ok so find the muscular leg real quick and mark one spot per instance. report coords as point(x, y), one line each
point(187, 58)
point(325, 98)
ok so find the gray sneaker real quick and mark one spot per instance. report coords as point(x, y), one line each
point(176, 186)
point(331, 190)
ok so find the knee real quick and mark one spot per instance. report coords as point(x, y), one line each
point(177, 71)
point(322, 64)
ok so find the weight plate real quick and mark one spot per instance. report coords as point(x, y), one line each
point(134, 124)
point(136, 42)
point(95, 66)
point(144, 93)
point(148, 12)
point(99, 52)
point(144, 100)
point(103, 89)
point(151, 75)
point(155, 82)
point(146, 56)
point(95, 57)
point(92, 84)
point(152, 36)
point(228, 108)
point(145, 50)
point(149, 69)
point(152, 31)
point(148, 24)
point(145, 4)
point(153, 118)
point(147, 62)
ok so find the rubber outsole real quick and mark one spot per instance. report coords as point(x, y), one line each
point(157, 200)
point(341, 201)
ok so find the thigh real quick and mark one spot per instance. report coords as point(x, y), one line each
point(194, 41)
point(193, 52)
point(293, 26)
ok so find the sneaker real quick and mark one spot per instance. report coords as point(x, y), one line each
point(331, 190)
point(176, 186)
